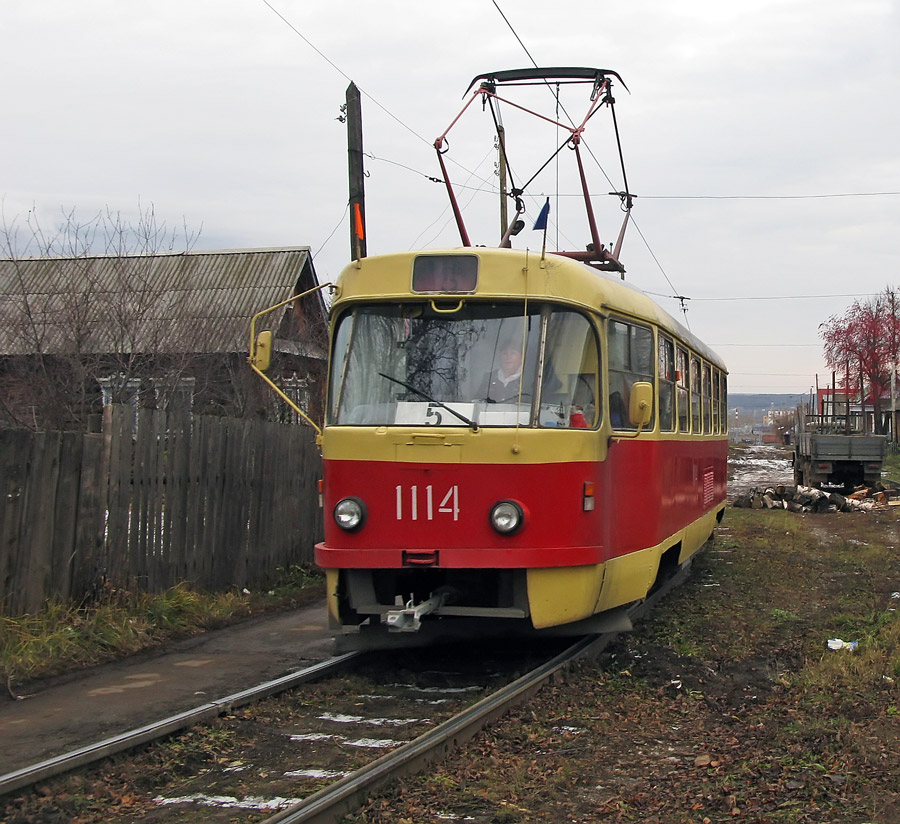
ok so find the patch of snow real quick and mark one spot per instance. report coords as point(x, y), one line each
point(413, 688)
point(315, 774)
point(375, 722)
point(376, 743)
point(250, 802)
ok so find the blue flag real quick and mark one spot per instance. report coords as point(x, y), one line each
point(541, 222)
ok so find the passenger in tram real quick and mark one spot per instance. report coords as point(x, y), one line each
point(617, 413)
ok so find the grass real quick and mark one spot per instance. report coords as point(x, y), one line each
point(891, 467)
point(64, 637)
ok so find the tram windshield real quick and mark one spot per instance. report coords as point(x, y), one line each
point(470, 364)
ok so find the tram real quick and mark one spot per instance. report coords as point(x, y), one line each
point(515, 442)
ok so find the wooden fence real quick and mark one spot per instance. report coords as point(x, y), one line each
point(152, 501)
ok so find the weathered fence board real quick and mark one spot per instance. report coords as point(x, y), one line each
point(152, 501)
point(15, 448)
point(89, 545)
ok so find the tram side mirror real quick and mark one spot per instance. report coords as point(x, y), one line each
point(262, 353)
point(640, 404)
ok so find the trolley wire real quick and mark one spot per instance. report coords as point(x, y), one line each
point(492, 189)
point(362, 91)
point(626, 195)
point(820, 196)
point(770, 197)
point(341, 72)
point(766, 297)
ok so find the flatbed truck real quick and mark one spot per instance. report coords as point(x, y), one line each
point(829, 451)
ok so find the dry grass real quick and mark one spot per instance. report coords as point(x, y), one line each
point(726, 704)
point(63, 637)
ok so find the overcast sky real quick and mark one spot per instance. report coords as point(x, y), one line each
point(761, 138)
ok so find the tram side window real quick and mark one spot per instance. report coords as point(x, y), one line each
point(665, 354)
point(718, 421)
point(716, 411)
point(695, 395)
point(707, 399)
point(571, 365)
point(630, 360)
point(684, 384)
point(724, 398)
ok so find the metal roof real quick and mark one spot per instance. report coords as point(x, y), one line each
point(189, 302)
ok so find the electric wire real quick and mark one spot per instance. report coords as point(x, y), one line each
point(677, 297)
point(825, 196)
point(343, 74)
point(766, 297)
point(770, 345)
point(627, 196)
point(447, 207)
point(331, 235)
point(362, 91)
point(515, 34)
point(770, 197)
point(493, 189)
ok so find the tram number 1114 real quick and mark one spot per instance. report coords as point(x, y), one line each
point(415, 502)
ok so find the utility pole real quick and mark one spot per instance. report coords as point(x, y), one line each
point(504, 219)
point(357, 175)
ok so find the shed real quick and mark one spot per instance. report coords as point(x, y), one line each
point(156, 329)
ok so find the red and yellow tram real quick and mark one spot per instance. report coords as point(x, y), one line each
point(601, 469)
point(515, 442)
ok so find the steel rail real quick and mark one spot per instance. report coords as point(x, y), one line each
point(83, 756)
point(330, 804)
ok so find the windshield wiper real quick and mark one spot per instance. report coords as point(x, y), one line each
point(428, 398)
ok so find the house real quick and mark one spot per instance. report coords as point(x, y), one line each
point(164, 330)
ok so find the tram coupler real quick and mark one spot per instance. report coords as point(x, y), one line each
point(409, 619)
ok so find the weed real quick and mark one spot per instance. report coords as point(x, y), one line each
point(295, 577)
point(443, 781)
point(783, 615)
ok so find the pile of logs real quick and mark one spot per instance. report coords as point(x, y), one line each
point(808, 499)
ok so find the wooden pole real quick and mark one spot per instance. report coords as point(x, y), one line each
point(356, 174)
point(504, 217)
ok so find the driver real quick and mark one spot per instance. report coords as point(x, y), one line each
point(502, 385)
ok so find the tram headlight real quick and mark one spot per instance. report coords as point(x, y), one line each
point(350, 514)
point(507, 517)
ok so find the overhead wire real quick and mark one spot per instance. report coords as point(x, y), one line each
point(627, 193)
point(669, 197)
point(515, 33)
point(770, 197)
point(769, 345)
point(561, 107)
point(343, 74)
point(447, 207)
point(493, 189)
point(336, 227)
point(768, 297)
point(362, 91)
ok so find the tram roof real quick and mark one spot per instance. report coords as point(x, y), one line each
point(500, 275)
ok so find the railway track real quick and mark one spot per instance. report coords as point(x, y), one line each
point(93, 753)
point(307, 731)
point(328, 805)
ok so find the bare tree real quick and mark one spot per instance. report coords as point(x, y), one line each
point(95, 323)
